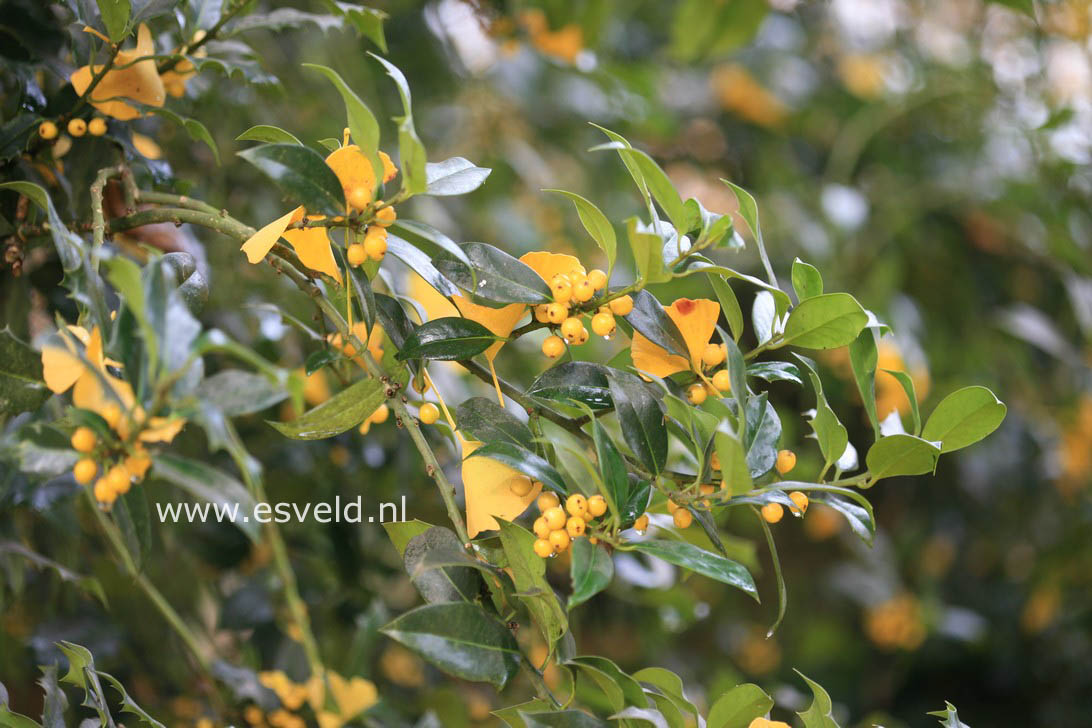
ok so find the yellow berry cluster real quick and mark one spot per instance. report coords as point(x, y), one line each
point(557, 527)
point(118, 470)
point(374, 246)
point(48, 130)
point(681, 516)
point(711, 357)
point(572, 291)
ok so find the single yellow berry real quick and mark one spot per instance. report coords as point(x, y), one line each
point(555, 518)
point(77, 127)
point(540, 528)
point(722, 380)
point(547, 500)
point(597, 506)
point(553, 346)
point(47, 130)
point(683, 518)
point(786, 461)
point(570, 329)
point(713, 354)
point(581, 336)
point(118, 479)
point(603, 324)
point(641, 524)
point(576, 505)
point(356, 254)
point(358, 197)
point(556, 312)
point(83, 439)
point(714, 462)
point(543, 549)
point(559, 540)
point(575, 526)
point(561, 287)
point(85, 471)
point(597, 278)
point(375, 246)
point(542, 313)
point(382, 412)
point(672, 506)
point(421, 385)
point(428, 413)
point(583, 291)
point(772, 512)
point(801, 501)
point(520, 485)
point(593, 540)
point(622, 305)
point(696, 393)
point(103, 492)
point(97, 126)
point(385, 216)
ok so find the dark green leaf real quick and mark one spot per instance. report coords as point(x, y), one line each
point(455, 176)
point(729, 304)
point(775, 371)
point(525, 462)
point(128, 705)
point(825, 322)
point(410, 149)
point(461, 639)
point(591, 570)
point(621, 689)
point(706, 563)
point(420, 263)
point(440, 567)
point(401, 532)
point(579, 381)
point(733, 459)
point(393, 319)
point(301, 173)
point(486, 421)
point(494, 276)
point(649, 318)
point(612, 468)
point(346, 409)
point(529, 575)
point(669, 684)
point(430, 240)
point(115, 16)
point(641, 417)
point(863, 358)
point(22, 388)
point(964, 417)
point(901, 455)
point(762, 435)
point(319, 358)
point(859, 518)
point(447, 339)
point(512, 715)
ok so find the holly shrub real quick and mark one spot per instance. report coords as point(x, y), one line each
point(569, 427)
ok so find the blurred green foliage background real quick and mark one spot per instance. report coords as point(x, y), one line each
point(930, 157)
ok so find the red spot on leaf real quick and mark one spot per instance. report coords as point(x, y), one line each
point(685, 306)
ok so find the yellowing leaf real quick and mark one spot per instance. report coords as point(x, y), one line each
point(260, 243)
point(696, 320)
point(548, 265)
point(130, 79)
point(499, 321)
point(487, 492)
point(312, 244)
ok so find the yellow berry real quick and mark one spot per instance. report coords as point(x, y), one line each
point(576, 505)
point(772, 512)
point(103, 492)
point(385, 216)
point(672, 506)
point(111, 412)
point(547, 500)
point(84, 471)
point(358, 197)
point(593, 540)
point(583, 291)
point(597, 506)
point(561, 287)
point(555, 518)
point(520, 485)
point(714, 462)
point(559, 540)
point(118, 479)
point(556, 312)
point(597, 278)
point(622, 305)
point(575, 526)
point(375, 246)
point(77, 127)
point(696, 393)
point(553, 346)
point(540, 528)
point(801, 501)
point(428, 413)
point(97, 126)
point(713, 354)
point(47, 130)
point(581, 336)
point(603, 324)
point(786, 461)
point(542, 313)
point(543, 549)
point(641, 524)
point(722, 380)
point(683, 518)
point(421, 385)
point(83, 439)
point(356, 254)
point(382, 412)
point(570, 328)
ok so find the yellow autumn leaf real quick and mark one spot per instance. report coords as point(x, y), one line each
point(696, 320)
point(129, 79)
point(260, 243)
point(487, 491)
